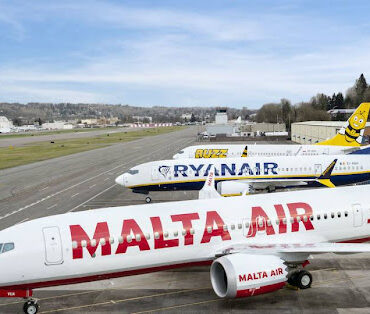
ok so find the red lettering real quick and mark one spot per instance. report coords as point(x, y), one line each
point(242, 278)
point(264, 275)
point(281, 215)
point(250, 277)
point(101, 232)
point(130, 226)
point(293, 209)
point(159, 241)
point(280, 271)
point(214, 218)
point(272, 273)
point(259, 214)
point(187, 225)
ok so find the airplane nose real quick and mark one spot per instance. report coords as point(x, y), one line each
point(121, 179)
point(175, 156)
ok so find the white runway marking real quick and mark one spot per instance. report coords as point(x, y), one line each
point(106, 179)
point(44, 188)
point(52, 206)
point(91, 198)
point(92, 186)
point(77, 184)
point(74, 195)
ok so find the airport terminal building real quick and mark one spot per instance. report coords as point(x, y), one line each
point(311, 132)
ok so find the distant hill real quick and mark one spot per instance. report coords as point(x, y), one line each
point(67, 111)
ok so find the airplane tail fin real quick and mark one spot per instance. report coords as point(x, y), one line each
point(324, 178)
point(352, 132)
point(209, 190)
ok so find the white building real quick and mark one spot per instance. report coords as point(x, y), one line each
point(311, 132)
point(5, 125)
point(57, 125)
point(221, 116)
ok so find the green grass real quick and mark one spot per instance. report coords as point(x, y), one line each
point(37, 133)
point(16, 156)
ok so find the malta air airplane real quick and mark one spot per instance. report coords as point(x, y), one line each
point(237, 175)
point(254, 245)
point(348, 139)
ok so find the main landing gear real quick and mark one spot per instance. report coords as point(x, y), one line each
point(301, 279)
point(31, 306)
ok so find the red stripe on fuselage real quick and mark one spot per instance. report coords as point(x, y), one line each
point(361, 240)
point(68, 281)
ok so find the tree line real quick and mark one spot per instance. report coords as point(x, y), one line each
point(318, 106)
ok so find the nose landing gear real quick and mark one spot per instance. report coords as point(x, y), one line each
point(301, 279)
point(31, 306)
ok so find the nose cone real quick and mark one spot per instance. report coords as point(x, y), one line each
point(175, 156)
point(121, 179)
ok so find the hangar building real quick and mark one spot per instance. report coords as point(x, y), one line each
point(311, 132)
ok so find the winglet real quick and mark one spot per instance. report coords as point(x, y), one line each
point(325, 176)
point(209, 190)
point(352, 132)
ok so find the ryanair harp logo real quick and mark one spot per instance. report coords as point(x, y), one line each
point(163, 170)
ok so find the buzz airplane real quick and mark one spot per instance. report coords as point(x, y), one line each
point(254, 245)
point(236, 175)
point(348, 139)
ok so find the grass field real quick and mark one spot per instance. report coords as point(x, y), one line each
point(16, 156)
point(38, 133)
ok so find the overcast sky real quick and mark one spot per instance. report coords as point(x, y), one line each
point(180, 53)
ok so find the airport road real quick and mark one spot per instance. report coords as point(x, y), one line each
point(18, 141)
point(86, 180)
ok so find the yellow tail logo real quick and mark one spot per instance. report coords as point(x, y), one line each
point(352, 132)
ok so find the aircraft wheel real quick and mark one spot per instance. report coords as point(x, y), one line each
point(292, 279)
point(148, 199)
point(303, 279)
point(30, 307)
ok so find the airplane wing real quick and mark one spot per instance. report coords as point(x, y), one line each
point(208, 190)
point(307, 248)
point(324, 179)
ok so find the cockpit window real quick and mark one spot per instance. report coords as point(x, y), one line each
point(6, 247)
point(133, 171)
point(181, 152)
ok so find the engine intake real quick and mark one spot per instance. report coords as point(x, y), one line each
point(233, 188)
point(241, 275)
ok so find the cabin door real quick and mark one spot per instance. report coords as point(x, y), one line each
point(358, 218)
point(53, 246)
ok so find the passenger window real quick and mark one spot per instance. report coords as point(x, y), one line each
point(311, 217)
point(232, 226)
point(339, 214)
point(175, 233)
point(345, 214)
point(138, 237)
point(318, 217)
point(240, 226)
point(8, 247)
point(332, 215)
point(165, 234)
point(325, 216)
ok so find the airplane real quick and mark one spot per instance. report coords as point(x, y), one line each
point(348, 139)
point(254, 244)
point(235, 175)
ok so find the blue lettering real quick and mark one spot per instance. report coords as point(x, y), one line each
point(180, 169)
point(196, 170)
point(209, 168)
point(225, 167)
point(270, 166)
point(258, 169)
point(245, 169)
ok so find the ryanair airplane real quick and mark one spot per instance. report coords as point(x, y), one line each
point(234, 176)
point(348, 139)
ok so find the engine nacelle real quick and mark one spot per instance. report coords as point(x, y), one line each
point(232, 188)
point(242, 275)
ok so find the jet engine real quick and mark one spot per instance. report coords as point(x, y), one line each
point(241, 275)
point(231, 188)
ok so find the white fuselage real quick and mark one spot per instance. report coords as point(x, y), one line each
point(189, 174)
point(111, 242)
point(259, 150)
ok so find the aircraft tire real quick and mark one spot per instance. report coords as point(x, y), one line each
point(30, 307)
point(303, 280)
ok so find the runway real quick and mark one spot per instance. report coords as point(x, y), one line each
point(86, 180)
